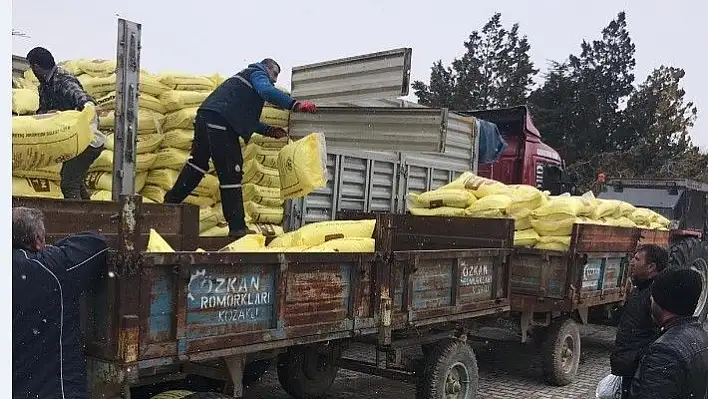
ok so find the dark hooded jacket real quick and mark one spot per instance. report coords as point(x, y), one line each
point(240, 99)
point(47, 353)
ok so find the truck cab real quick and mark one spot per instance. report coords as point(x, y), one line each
point(526, 159)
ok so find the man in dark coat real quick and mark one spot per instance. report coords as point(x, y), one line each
point(61, 91)
point(47, 281)
point(675, 365)
point(233, 110)
point(636, 329)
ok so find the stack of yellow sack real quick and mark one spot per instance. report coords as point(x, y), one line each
point(274, 116)
point(25, 97)
point(41, 143)
point(541, 221)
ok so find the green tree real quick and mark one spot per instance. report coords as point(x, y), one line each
point(495, 71)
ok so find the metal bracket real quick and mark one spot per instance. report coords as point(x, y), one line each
point(126, 113)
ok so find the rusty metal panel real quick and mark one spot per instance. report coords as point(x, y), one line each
point(378, 129)
point(383, 75)
point(598, 238)
point(658, 237)
point(541, 274)
point(440, 285)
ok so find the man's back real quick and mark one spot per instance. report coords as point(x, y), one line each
point(635, 331)
point(47, 358)
point(675, 364)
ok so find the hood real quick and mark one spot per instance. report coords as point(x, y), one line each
point(262, 67)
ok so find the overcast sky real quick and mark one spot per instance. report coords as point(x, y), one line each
point(222, 36)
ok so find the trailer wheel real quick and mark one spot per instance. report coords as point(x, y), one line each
point(560, 352)
point(307, 372)
point(450, 372)
point(208, 395)
point(691, 253)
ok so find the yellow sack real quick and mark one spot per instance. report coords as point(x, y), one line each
point(525, 238)
point(657, 226)
point(104, 181)
point(446, 198)
point(489, 206)
point(643, 216)
point(284, 249)
point(217, 79)
point(285, 240)
point(174, 100)
point(265, 156)
point(157, 244)
point(365, 245)
point(625, 209)
point(266, 196)
point(219, 212)
point(525, 199)
point(564, 205)
point(35, 188)
point(266, 229)
point(157, 194)
point(150, 85)
point(22, 83)
point(104, 162)
point(98, 87)
point(662, 221)
point(29, 76)
point(145, 143)
point(562, 226)
point(303, 166)
point(265, 141)
point(619, 222)
point(555, 243)
point(39, 141)
point(257, 174)
point(166, 179)
point(171, 158)
point(442, 211)
point(96, 67)
point(522, 223)
point(207, 219)
point(275, 117)
point(263, 214)
point(220, 230)
point(187, 82)
point(71, 66)
point(178, 138)
point(101, 195)
point(480, 186)
point(247, 243)
point(605, 208)
point(148, 122)
point(50, 172)
point(145, 101)
point(24, 101)
point(182, 119)
point(317, 233)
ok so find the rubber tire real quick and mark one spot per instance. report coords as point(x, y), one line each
point(294, 378)
point(551, 356)
point(254, 371)
point(208, 395)
point(443, 355)
point(683, 254)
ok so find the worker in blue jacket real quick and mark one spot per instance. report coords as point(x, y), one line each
point(47, 281)
point(233, 110)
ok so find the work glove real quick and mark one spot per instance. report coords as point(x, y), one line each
point(305, 106)
point(277, 132)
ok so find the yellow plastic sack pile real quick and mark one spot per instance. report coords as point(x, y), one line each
point(541, 221)
point(24, 101)
point(303, 166)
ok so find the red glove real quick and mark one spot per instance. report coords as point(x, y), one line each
point(306, 107)
point(278, 133)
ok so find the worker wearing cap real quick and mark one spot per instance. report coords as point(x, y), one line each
point(61, 91)
point(233, 110)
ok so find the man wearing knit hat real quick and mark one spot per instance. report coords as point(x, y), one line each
point(636, 330)
point(675, 365)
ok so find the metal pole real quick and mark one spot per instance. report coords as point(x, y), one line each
point(126, 113)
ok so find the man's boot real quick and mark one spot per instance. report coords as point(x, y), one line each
point(232, 205)
point(189, 178)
